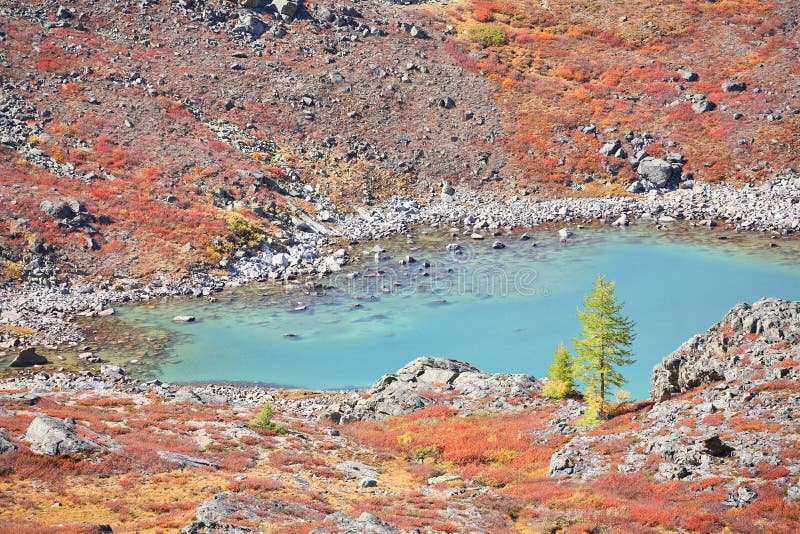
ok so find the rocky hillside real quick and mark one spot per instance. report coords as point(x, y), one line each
point(141, 137)
point(437, 446)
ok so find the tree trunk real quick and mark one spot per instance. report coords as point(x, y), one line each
point(602, 395)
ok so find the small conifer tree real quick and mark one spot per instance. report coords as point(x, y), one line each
point(604, 345)
point(561, 375)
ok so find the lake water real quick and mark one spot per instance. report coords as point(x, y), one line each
point(501, 310)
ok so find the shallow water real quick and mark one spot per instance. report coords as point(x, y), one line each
point(501, 310)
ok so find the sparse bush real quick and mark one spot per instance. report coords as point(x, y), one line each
point(488, 34)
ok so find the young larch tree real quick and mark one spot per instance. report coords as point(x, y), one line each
point(604, 344)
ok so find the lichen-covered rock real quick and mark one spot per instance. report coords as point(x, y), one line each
point(52, 436)
point(417, 385)
point(231, 512)
point(577, 459)
point(366, 523)
point(5, 444)
point(184, 459)
point(730, 349)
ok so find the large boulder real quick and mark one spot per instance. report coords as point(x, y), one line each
point(366, 523)
point(233, 512)
point(730, 349)
point(576, 460)
point(660, 173)
point(5, 444)
point(112, 372)
point(286, 8)
point(63, 209)
point(419, 384)
point(52, 436)
point(184, 459)
point(27, 358)
point(734, 87)
point(251, 25)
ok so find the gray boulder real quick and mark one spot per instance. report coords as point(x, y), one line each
point(357, 469)
point(734, 87)
point(286, 8)
point(446, 102)
point(562, 463)
point(671, 471)
point(610, 147)
point(52, 436)
point(64, 209)
point(112, 372)
point(742, 496)
point(251, 25)
point(5, 444)
point(661, 173)
point(576, 459)
point(705, 358)
point(407, 390)
point(233, 512)
point(702, 106)
point(184, 459)
point(366, 523)
point(28, 358)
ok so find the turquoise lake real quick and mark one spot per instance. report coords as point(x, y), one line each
point(501, 310)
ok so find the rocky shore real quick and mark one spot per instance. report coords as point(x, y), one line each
point(772, 207)
point(318, 249)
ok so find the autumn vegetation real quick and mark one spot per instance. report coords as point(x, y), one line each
point(534, 72)
point(567, 65)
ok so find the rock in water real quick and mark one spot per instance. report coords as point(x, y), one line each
point(564, 234)
point(27, 358)
point(622, 221)
point(183, 319)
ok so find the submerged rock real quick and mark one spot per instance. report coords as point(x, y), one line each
point(28, 358)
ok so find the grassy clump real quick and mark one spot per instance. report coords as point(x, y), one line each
point(488, 34)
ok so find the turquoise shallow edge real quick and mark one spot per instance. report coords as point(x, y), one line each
point(501, 310)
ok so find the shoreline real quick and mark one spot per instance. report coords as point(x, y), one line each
point(50, 312)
